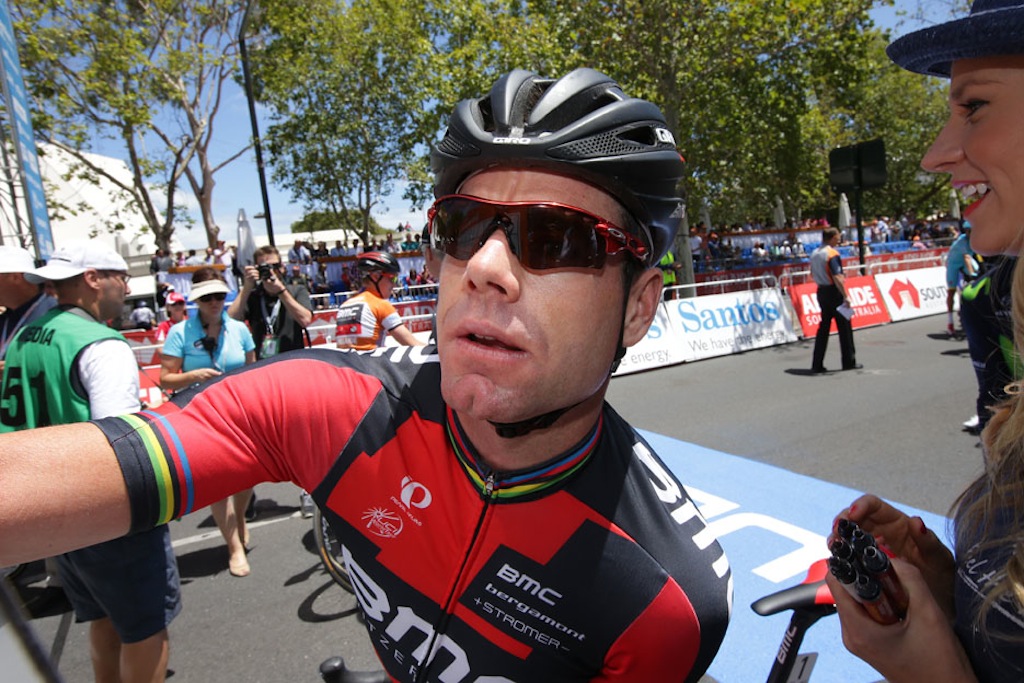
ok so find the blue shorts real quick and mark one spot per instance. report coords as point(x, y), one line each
point(133, 580)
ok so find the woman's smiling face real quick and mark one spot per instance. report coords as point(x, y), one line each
point(982, 148)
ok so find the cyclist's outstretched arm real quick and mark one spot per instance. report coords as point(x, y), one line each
point(922, 647)
point(60, 488)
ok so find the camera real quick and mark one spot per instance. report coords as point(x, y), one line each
point(266, 271)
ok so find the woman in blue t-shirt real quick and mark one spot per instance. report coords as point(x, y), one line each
point(196, 350)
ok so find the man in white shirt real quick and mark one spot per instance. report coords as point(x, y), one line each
point(65, 367)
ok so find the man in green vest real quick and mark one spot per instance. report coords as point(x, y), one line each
point(669, 274)
point(68, 366)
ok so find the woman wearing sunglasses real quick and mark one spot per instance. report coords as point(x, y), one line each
point(966, 616)
point(198, 349)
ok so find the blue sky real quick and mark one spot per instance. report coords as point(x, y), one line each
point(238, 184)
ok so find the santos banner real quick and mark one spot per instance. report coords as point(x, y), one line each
point(708, 326)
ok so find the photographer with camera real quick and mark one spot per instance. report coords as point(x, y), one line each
point(277, 313)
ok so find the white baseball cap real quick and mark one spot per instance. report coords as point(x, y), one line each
point(16, 260)
point(74, 258)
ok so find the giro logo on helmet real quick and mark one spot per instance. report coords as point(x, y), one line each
point(514, 141)
point(665, 135)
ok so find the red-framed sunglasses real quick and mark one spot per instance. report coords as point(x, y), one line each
point(542, 235)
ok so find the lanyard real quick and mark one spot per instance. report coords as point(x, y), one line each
point(270, 319)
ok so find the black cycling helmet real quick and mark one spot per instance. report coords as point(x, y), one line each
point(377, 261)
point(582, 124)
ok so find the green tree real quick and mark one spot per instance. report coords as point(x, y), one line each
point(321, 221)
point(756, 93)
point(146, 76)
point(344, 84)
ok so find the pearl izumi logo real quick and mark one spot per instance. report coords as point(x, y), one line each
point(415, 494)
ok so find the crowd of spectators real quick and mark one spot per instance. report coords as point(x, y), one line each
point(329, 278)
point(754, 243)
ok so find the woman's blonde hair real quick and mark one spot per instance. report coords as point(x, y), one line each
point(989, 515)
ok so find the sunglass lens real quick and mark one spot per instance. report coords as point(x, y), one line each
point(556, 237)
point(457, 226)
point(561, 238)
point(213, 297)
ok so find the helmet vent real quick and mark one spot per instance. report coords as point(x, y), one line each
point(643, 135)
point(457, 148)
point(603, 145)
point(485, 115)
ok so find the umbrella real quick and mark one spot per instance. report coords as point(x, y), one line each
point(845, 217)
point(954, 205)
point(705, 216)
point(779, 213)
point(246, 244)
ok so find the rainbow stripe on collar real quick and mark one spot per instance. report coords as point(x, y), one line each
point(519, 483)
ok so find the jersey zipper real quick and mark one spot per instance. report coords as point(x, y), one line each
point(441, 627)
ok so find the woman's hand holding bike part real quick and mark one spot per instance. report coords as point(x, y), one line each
point(907, 538)
point(921, 647)
point(866, 573)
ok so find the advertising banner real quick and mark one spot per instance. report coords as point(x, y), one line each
point(913, 293)
point(707, 326)
point(722, 324)
point(659, 348)
point(866, 299)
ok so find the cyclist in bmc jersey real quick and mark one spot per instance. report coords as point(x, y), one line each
point(500, 522)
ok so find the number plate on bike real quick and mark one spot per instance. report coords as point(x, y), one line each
point(802, 668)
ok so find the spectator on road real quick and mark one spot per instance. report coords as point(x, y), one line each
point(23, 301)
point(961, 266)
point(80, 369)
point(986, 310)
point(277, 314)
point(966, 609)
point(827, 271)
point(197, 350)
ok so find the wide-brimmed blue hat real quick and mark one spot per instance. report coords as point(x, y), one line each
point(993, 27)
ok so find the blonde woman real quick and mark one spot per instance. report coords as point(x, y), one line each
point(966, 615)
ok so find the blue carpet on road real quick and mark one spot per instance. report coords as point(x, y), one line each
point(772, 524)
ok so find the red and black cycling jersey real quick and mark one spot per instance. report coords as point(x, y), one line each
point(594, 566)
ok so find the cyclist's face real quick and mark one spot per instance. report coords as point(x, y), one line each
point(515, 342)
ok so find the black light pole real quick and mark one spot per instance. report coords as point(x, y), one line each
point(255, 124)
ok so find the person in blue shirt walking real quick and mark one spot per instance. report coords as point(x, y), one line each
point(200, 348)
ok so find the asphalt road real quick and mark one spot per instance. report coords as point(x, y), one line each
point(893, 428)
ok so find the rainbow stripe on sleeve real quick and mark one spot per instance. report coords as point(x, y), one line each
point(155, 467)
